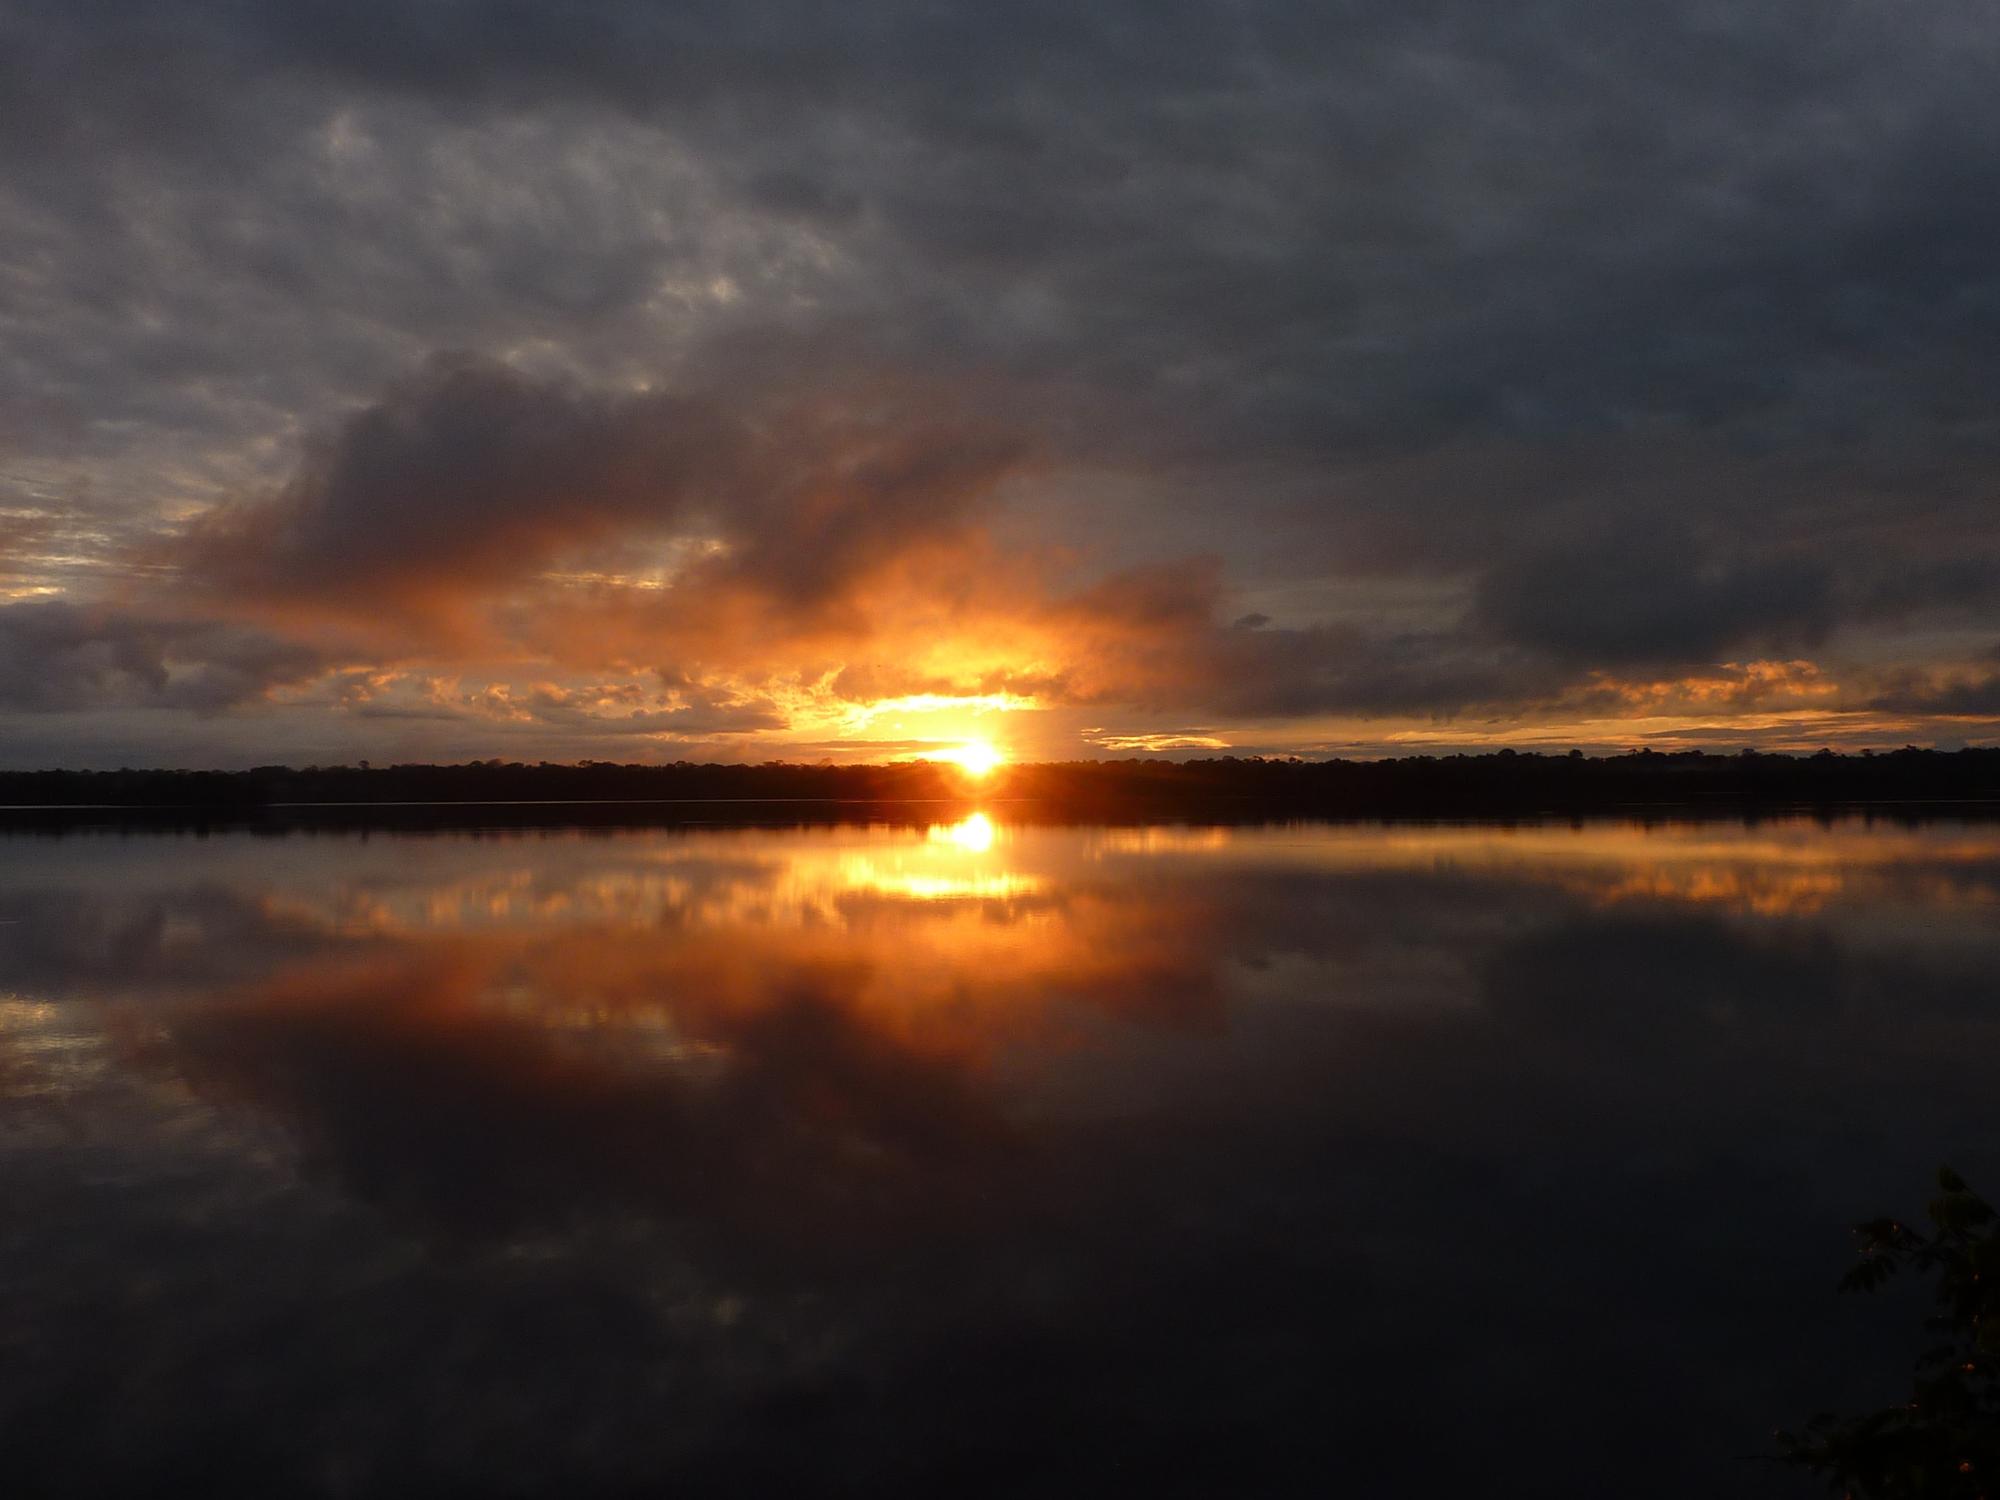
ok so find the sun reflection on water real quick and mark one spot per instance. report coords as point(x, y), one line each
point(827, 877)
point(974, 834)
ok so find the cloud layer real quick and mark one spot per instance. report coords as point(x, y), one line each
point(1315, 379)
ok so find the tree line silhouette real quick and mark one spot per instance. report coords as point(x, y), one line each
point(1495, 783)
point(1503, 783)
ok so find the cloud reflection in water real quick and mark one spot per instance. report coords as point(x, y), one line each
point(987, 1157)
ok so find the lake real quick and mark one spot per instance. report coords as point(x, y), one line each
point(978, 1157)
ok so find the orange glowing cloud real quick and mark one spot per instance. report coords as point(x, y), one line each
point(771, 567)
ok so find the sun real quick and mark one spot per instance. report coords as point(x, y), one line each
point(974, 757)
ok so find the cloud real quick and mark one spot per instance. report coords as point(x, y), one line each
point(846, 546)
point(1651, 595)
point(1154, 637)
point(470, 479)
point(609, 710)
point(1358, 232)
point(1727, 686)
point(1154, 743)
point(465, 478)
point(1971, 692)
point(58, 657)
point(1429, 298)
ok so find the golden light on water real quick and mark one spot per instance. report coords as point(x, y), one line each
point(736, 879)
point(973, 834)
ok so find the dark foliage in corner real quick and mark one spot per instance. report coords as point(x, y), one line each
point(1945, 1440)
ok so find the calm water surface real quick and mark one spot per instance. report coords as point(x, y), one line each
point(971, 1159)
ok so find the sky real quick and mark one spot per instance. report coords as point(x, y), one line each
point(454, 379)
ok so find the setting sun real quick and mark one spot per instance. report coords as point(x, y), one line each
point(974, 757)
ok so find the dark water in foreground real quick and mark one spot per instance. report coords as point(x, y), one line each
point(971, 1160)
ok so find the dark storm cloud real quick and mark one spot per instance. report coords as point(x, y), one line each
point(1155, 638)
point(1499, 184)
point(1966, 692)
point(470, 477)
point(57, 657)
point(1364, 227)
point(465, 476)
point(1649, 596)
point(1465, 294)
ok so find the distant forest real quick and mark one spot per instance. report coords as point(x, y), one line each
point(1502, 783)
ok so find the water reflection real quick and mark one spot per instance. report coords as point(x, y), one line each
point(990, 1157)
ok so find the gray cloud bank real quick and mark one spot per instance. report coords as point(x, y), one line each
point(57, 657)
